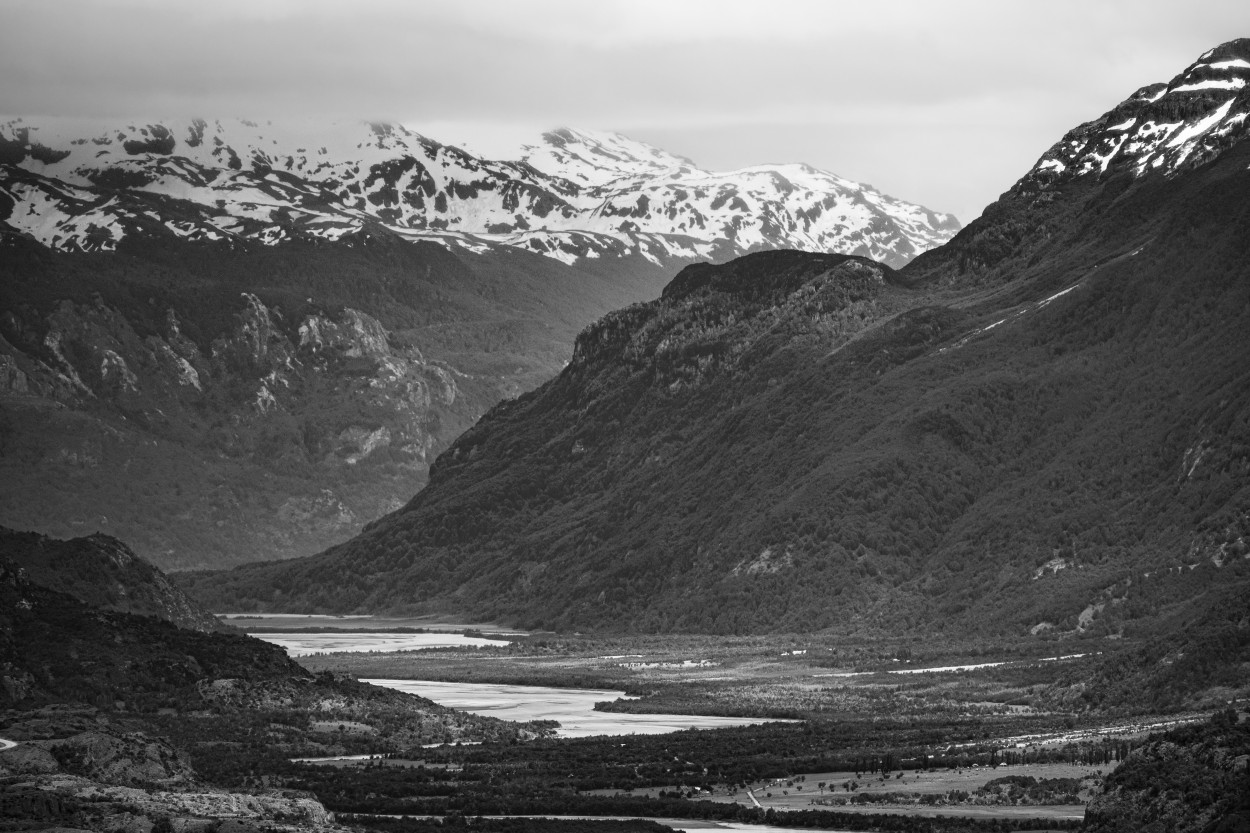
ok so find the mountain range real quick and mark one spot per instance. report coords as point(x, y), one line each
point(1040, 427)
point(226, 341)
point(78, 186)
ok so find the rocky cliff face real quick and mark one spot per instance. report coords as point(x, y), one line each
point(82, 354)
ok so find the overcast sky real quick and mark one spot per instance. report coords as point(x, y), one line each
point(941, 103)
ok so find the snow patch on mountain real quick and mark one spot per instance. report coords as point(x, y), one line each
point(1162, 128)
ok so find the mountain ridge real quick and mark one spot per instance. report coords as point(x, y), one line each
point(104, 573)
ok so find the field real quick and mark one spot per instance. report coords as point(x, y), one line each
point(965, 792)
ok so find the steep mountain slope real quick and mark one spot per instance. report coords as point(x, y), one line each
point(1042, 426)
point(83, 186)
point(1160, 132)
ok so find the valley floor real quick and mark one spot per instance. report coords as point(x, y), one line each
point(1031, 685)
point(956, 730)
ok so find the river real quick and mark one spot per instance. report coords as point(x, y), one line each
point(573, 708)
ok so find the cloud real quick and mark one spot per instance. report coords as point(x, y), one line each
point(722, 80)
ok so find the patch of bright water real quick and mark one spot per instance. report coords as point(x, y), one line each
point(573, 708)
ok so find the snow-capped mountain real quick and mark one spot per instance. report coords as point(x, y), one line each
point(1161, 128)
point(85, 186)
point(1157, 135)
